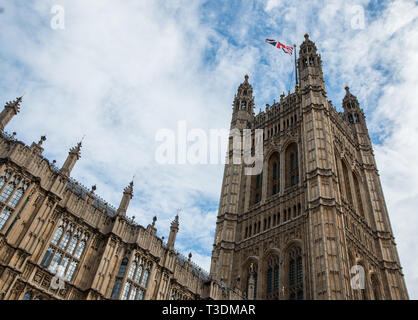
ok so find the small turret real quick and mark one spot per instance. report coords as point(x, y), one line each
point(243, 106)
point(11, 109)
point(352, 110)
point(174, 228)
point(126, 198)
point(310, 65)
point(73, 155)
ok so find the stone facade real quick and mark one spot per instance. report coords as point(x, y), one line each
point(314, 223)
point(58, 240)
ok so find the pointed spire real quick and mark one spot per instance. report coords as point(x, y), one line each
point(11, 108)
point(126, 198)
point(173, 232)
point(73, 155)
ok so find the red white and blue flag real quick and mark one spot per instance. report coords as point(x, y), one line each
point(278, 45)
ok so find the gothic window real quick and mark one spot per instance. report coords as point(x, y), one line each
point(4, 216)
point(350, 118)
point(272, 278)
point(274, 174)
point(126, 291)
point(16, 198)
point(348, 195)
point(256, 186)
point(292, 170)
point(132, 270)
point(356, 118)
point(116, 288)
point(7, 192)
point(27, 296)
point(295, 274)
point(243, 105)
point(137, 279)
point(60, 252)
point(122, 268)
point(311, 61)
point(145, 279)
point(358, 195)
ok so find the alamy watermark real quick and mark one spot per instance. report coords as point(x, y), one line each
point(58, 19)
point(197, 146)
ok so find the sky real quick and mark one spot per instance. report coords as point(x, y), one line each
point(117, 72)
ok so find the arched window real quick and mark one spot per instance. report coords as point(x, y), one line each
point(80, 249)
point(7, 192)
point(132, 270)
point(272, 278)
point(292, 165)
point(350, 118)
point(27, 296)
point(256, 183)
point(274, 174)
point(116, 289)
point(71, 270)
point(57, 235)
point(243, 105)
point(348, 195)
point(123, 266)
point(295, 274)
point(4, 216)
point(358, 196)
point(356, 118)
point(138, 274)
point(126, 291)
point(16, 198)
point(65, 240)
point(72, 245)
point(144, 281)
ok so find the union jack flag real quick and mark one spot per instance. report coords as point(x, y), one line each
point(278, 45)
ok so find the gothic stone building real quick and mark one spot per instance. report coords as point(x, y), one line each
point(295, 231)
point(58, 240)
point(314, 223)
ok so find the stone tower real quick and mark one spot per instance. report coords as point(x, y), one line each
point(314, 223)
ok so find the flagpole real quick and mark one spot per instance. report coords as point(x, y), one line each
point(296, 69)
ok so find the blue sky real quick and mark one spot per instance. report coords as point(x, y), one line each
point(120, 71)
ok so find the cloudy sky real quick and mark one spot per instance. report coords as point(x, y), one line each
point(119, 71)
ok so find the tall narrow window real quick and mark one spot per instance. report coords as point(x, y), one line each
point(272, 284)
point(292, 171)
point(360, 209)
point(7, 192)
point(116, 288)
point(348, 195)
point(295, 274)
point(274, 174)
point(4, 216)
point(122, 268)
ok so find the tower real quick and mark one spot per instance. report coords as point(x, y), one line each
point(73, 156)
point(126, 198)
point(174, 229)
point(313, 224)
point(11, 109)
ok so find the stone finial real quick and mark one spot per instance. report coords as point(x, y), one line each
point(43, 138)
point(306, 36)
point(347, 89)
point(154, 219)
point(93, 188)
point(190, 256)
point(246, 77)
